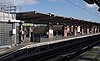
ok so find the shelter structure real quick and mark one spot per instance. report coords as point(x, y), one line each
point(52, 25)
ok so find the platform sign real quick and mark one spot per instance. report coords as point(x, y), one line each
point(14, 31)
point(27, 24)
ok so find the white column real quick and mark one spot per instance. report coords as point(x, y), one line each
point(75, 30)
point(88, 30)
point(72, 28)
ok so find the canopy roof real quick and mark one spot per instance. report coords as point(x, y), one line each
point(41, 18)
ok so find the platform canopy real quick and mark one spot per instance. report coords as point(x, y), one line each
point(41, 18)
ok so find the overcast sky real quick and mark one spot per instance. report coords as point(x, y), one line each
point(59, 7)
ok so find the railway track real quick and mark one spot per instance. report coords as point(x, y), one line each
point(53, 51)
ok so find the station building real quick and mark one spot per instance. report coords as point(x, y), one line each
point(8, 29)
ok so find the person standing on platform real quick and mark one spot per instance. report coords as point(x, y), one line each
point(25, 34)
point(31, 30)
point(36, 33)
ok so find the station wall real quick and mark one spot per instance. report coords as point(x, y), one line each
point(5, 37)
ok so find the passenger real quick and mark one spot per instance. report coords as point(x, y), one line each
point(21, 34)
point(25, 32)
point(36, 33)
point(31, 30)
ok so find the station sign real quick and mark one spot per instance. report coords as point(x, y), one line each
point(27, 24)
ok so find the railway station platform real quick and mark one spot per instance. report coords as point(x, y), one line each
point(47, 41)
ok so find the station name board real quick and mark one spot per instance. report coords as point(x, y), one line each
point(27, 24)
